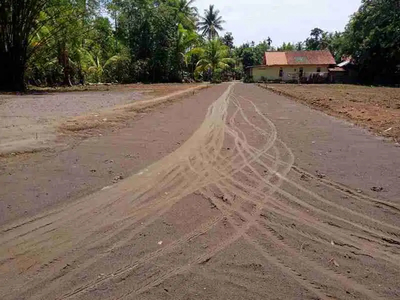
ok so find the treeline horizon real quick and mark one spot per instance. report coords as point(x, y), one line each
point(68, 42)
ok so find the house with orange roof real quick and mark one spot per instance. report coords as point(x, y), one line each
point(293, 65)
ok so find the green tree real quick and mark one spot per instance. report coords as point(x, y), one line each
point(95, 66)
point(101, 38)
point(372, 39)
point(227, 40)
point(43, 38)
point(211, 23)
point(334, 42)
point(19, 20)
point(213, 56)
point(185, 13)
point(299, 46)
point(251, 54)
point(68, 24)
point(269, 41)
point(52, 42)
point(314, 42)
point(186, 18)
point(287, 47)
point(186, 41)
point(259, 51)
point(248, 58)
point(150, 33)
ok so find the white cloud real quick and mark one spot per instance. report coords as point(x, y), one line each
point(282, 20)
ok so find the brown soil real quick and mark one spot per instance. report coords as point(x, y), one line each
point(375, 108)
point(265, 199)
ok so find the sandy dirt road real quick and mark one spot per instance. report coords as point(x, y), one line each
point(28, 123)
point(233, 213)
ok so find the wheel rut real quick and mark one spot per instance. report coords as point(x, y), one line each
point(236, 161)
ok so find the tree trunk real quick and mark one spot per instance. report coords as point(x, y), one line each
point(115, 31)
point(17, 22)
point(12, 66)
point(64, 61)
point(67, 77)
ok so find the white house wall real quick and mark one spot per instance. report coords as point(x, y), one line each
point(272, 73)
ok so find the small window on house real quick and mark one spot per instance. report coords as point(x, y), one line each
point(280, 72)
point(295, 70)
point(319, 70)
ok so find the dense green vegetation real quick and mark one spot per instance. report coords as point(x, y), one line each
point(65, 42)
point(372, 38)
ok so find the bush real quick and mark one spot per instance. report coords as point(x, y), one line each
point(217, 76)
point(248, 79)
point(140, 71)
point(118, 72)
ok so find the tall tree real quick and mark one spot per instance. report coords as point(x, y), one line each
point(259, 51)
point(114, 8)
point(185, 12)
point(314, 42)
point(333, 41)
point(185, 15)
point(211, 23)
point(299, 46)
point(186, 41)
point(43, 38)
point(287, 47)
point(19, 19)
point(248, 58)
point(227, 40)
point(52, 42)
point(252, 54)
point(372, 39)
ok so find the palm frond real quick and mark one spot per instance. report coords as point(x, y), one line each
point(210, 23)
point(114, 59)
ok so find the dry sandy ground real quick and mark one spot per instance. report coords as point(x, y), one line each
point(375, 108)
point(29, 122)
point(267, 199)
point(102, 157)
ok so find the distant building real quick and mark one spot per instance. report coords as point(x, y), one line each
point(350, 74)
point(294, 66)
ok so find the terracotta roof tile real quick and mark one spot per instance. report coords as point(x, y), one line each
point(275, 58)
point(299, 58)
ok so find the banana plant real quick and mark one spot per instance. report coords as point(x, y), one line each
point(92, 65)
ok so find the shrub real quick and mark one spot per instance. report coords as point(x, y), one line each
point(248, 79)
point(217, 76)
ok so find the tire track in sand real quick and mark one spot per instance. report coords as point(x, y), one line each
point(202, 163)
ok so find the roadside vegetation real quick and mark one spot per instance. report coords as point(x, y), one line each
point(70, 42)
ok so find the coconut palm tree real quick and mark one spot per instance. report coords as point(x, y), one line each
point(269, 41)
point(186, 13)
point(213, 56)
point(211, 23)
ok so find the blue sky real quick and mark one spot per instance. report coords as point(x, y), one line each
point(282, 20)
